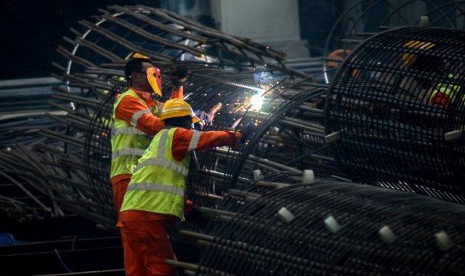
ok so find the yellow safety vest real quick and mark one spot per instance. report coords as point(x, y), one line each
point(127, 142)
point(449, 90)
point(159, 181)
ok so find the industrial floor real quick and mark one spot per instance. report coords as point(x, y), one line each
point(70, 246)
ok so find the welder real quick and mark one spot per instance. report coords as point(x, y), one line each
point(156, 193)
point(441, 93)
point(134, 119)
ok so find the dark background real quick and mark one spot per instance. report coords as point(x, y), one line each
point(31, 30)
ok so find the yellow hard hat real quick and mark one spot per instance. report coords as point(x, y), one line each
point(136, 55)
point(177, 108)
point(415, 44)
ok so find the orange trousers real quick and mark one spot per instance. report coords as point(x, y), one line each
point(120, 185)
point(146, 246)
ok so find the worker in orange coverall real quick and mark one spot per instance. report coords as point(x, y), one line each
point(134, 119)
point(155, 194)
point(333, 61)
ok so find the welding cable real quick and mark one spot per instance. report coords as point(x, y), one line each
point(62, 262)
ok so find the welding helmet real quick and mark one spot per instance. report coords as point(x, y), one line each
point(174, 108)
point(154, 79)
point(152, 72)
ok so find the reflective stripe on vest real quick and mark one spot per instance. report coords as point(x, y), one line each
point(159, 181)
point(163, 163)
point(127, 130)
point(156, 187)
point(127, 142)
point(135, 117)
point(447, 89)
point(194, 141)
point(127, 151)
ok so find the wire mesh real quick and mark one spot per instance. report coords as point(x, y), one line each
point(222, 69)
point(338, 227)
point(362, 19)
point(386, 135)
point(391, 132)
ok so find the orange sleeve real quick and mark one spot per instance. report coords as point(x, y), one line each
point(177, 93)
point(336, 55)
point(148, 122)
point(208, 140)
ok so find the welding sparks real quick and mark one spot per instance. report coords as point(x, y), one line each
point(256, 101)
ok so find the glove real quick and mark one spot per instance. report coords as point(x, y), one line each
point(179, 75)
point(188, 206)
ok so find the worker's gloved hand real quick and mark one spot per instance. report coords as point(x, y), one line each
point(179, 75)
point(212, 112)
point(188, 206)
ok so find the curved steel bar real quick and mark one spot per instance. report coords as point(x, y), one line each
point(380, 106)
point(354, 24)
point(222, 67)
point(333, 227)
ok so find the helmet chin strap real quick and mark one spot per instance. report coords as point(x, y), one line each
point(155, 96)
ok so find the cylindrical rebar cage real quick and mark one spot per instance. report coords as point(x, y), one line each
point(337, 228)
point(395, 112)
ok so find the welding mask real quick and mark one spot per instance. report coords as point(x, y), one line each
point(154, 79)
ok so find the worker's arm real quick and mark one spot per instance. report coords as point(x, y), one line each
point(183, 141)
point(177, 93)
point(178, 77)
point(135, 113)
point(336, 56)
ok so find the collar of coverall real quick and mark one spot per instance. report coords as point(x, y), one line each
point(143, 94)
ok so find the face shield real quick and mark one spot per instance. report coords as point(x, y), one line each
point(154, 79)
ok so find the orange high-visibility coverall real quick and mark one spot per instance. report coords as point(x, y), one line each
point(145, 241)
point(148, 123)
